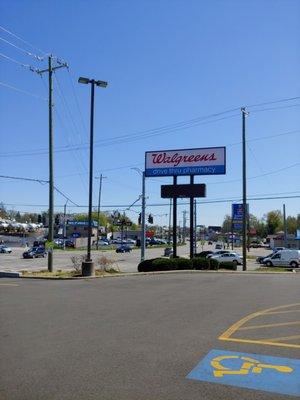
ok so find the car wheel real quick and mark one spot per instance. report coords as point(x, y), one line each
point(293, 264)
point(269, 264)
point(234, 262)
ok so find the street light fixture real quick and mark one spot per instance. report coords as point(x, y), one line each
point(88, 268)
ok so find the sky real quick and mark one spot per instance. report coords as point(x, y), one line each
point(166, 62)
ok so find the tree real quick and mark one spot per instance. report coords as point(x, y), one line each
point(291, 224)
point(226, 227)
point(3, 212)
point(274, 221)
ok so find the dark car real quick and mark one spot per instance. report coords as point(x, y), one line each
point(123, 249)
point(69, 243)
point(35, 252)
point(39, 243)
point(204, 254)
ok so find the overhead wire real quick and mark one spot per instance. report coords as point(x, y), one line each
point(17, 62)
point(22, 91)
point(28, 53)
point(22, 40)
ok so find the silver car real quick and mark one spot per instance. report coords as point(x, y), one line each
point(229, 257)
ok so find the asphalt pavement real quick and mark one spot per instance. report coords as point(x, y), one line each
point(138, 337)
point(126, 262)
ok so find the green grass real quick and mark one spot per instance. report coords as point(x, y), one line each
point(274, 269)
point(62, 274)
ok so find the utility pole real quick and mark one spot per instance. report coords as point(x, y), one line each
point(50, 70)
point(195, 225)
point(143, 239)
point(184, 225)
point(245, 211)
point(191, 221)
point(170, 210)
point(65, 226)
point(98, 214)
point(284, 227)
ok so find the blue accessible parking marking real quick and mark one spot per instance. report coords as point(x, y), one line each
point(252, 371)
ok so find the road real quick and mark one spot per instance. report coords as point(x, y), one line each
point(138, 337)
point(126, 262)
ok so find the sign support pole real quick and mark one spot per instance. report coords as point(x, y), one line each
point(174, 221)
point(191, 221)
point(244, 113)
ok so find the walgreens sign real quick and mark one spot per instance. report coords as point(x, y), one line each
point(206, 161)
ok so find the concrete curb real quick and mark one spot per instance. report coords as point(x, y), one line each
point(129, 274)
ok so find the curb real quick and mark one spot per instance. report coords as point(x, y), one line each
point(129, 274)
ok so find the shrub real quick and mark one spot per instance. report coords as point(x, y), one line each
point(228, 265)
point(104, 263)
point(163, 264)
point(146, 265)
point(200, 263)
point(77, 262)
point(213, 264)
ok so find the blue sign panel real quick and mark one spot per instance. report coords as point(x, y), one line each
point(82, 223)
point(252, 371)
point(237, 212)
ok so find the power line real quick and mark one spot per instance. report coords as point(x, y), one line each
point(22, 40)
point(118, 206)
point(17, 62)
point(22, 50)
point(272, 102)
point(22, 91)
point(41, 181)
point(275, 108)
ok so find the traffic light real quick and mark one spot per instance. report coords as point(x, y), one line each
point(150, 219)
point(140, 219)
point(57, 219)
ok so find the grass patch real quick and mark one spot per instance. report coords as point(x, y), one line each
point(274, 269)
point(61, 274)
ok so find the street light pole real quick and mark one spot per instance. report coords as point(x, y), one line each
point(88, 268)
point(245, 211)
point(143, 214)
point(98, 213)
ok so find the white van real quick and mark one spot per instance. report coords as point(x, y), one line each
point(284, 258)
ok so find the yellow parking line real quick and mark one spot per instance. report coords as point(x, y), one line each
point(227, 335)
point(9, 284)
point(297, 346)
point(281, 312)
point(246, 328)
point(278, 339)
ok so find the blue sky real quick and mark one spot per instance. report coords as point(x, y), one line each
point(165, 62)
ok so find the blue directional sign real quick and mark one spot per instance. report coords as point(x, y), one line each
point(252, 371)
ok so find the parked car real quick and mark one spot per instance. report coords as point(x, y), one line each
point(35, 252)
point(217, 253)
point(204, 253)
point(69, 243)
point(219, 246)
point(210, 242)
point(228, 257)
point(261, 258)
point(130, 242)
point(283, 258)
point(278, 249)
point(124, 248)
point(168, 252)
point(39, 243)
point(5, 249)
point(102, 243)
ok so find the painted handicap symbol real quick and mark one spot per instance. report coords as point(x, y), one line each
point(249, 365)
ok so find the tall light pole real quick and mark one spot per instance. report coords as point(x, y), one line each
point(101, 177)
point(88, 268)
point(245, 210)
point(143, 233)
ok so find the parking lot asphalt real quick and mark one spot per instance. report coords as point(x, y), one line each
point(126, 262)
point(138, 337)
